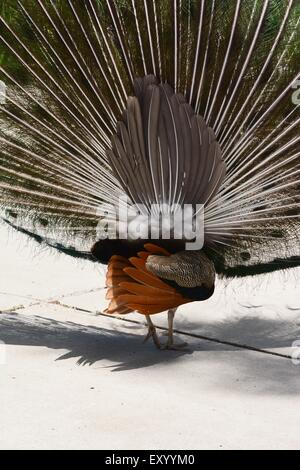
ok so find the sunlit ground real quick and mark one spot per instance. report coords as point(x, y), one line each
point(72, 379)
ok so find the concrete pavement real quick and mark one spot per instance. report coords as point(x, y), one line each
point(72, 378)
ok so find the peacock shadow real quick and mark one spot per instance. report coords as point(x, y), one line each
point(125, 350)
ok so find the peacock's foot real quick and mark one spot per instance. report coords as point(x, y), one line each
point(172, 343)
point(152, 333)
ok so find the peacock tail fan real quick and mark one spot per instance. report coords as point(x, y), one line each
point(189, 101)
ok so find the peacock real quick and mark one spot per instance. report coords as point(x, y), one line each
point(123, 121)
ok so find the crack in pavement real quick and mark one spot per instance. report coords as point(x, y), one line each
point(56, 301)
point(180, 332)
point(37, 301)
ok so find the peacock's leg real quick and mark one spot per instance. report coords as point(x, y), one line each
point(152, 332)
point(171, 344)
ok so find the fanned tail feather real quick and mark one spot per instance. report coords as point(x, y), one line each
point(70, 66)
